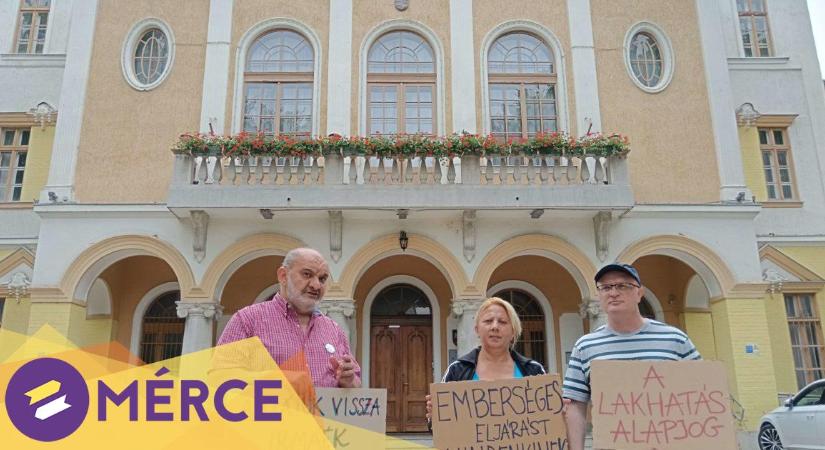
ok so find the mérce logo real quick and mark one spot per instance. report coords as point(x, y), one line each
point(47, 399)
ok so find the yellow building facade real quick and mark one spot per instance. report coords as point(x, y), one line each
point(719, 203)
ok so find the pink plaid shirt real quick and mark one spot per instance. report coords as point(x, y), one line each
point(276, 324)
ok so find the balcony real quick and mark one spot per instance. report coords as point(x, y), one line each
point(334, 181)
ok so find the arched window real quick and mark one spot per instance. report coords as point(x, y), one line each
point(400, 85)
point(401, 300)
point(532, 342)
point(162, 330)
point(278, 85)
point(522, 84)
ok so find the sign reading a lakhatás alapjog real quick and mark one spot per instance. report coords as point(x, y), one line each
point(678, 405)
point(502, 415)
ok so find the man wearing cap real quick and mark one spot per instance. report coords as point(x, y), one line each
point(293, 330)
point(627, 335)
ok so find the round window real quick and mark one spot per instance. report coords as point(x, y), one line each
point(151, 56)
point(148, 54)
point(648, 57)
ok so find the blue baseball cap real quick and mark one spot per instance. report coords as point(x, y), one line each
point(618, 267)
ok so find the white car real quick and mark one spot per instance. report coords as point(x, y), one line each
point(799, 424)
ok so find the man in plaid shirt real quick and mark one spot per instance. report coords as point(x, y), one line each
point(295, 333)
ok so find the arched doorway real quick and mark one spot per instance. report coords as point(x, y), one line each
point(401, 358)
point(162, 329)
point(533, 342)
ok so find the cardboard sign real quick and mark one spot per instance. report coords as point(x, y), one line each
point(353, 418)
point(517, 414)
point(679, 405)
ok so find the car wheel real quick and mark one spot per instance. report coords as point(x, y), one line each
point(769, 438)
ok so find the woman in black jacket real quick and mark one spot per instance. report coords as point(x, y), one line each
point(498, 328)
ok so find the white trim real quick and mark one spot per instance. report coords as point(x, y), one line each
point(267, 293)
point(72, 102)
point(106, 306)
point(579, 278)
point(438, 49)
point(698, 266)
point(559, 60)
point(29, 61)
point(463, 77)
point(720, 96)
point(216, 70)
point(81, 292)
point(583, 56)
point(546, 307)
point(805, 240)
point(237, 264)
point(695, 283)
point(140, 311)
point(655, 305)
point(339, 70)
point(240, 62)
point(737, 27)
point(366, 321)
point(127, 55)
point(665, 48)
point(571, 328)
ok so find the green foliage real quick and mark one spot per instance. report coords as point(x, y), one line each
point(408, 145)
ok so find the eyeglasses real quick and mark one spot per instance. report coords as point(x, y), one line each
point(621, 287)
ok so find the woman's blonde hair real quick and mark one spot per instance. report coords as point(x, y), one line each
point(511, 314)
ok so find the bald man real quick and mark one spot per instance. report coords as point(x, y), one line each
point(291, 324)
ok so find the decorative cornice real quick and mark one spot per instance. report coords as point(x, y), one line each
point(589, 309)
point(470, 306)
point(207, 310)
point(344, 307)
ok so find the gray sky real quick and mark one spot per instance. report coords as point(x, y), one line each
point(817, 9)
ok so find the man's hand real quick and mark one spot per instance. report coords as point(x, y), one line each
point(345, 371)
point(575, 415)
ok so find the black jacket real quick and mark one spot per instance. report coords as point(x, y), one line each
point(464, 367)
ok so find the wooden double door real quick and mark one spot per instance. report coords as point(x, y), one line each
point(401, 355)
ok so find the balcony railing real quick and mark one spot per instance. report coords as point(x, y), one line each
point(459, 182)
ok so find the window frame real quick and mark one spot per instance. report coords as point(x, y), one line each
point(751, 17)
point(31, 46)
point(279, 79)
point(127, 58)
point(401, 80)
point(807, 366)
point(15, 150)
point(521, 80)
point(665, 50)
point(171, 322)
point(774, 148)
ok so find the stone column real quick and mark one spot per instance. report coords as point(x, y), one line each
point(198, 333)
point(342, 312)
point(591, 309)
point(466, 310)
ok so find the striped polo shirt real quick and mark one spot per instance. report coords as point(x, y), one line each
point(654, 341)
